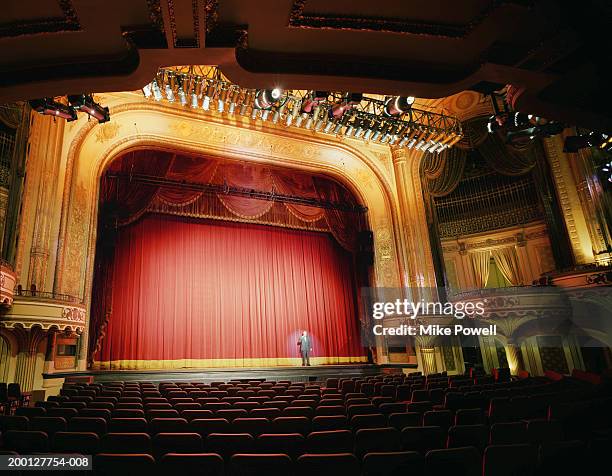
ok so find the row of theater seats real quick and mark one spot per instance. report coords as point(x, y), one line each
point(568, 458)
point(334, 420)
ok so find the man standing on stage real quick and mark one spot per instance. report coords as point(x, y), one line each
point(305, 348)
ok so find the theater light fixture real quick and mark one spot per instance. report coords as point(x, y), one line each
point(51, 107)
point(85, 103)
point(383, 120)
point(607, 169)
point(395, 106)
point(588, 139)
point(266, 98)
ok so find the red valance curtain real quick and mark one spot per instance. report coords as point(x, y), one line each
point(211, 293)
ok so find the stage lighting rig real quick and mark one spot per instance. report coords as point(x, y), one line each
point(85, 103)
point(385, 120)
point(51, 107)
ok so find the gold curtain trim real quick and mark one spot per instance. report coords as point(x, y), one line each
point(221, 363)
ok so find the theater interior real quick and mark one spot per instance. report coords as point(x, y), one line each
point(297, 237)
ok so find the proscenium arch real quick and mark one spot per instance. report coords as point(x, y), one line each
point(134, 127)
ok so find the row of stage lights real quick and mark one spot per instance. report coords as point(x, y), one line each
point(68, 109)
point(392, 120)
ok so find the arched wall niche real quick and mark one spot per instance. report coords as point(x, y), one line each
point(367, 172)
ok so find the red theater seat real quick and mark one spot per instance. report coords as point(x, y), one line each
point(127, 413)
point(26, 442)
point(269, 413)
point(464, 461)
point(197, 464)
point(194, 414)
point(123, 464)
point(393, 463)
point(468, 435)
point(206, 426)
point(341, 464)
point(88, 424)
point(260, 464)
point(508, 433)
point(125, 443)
point(167, 425)
point(402, 420)
point(49, 425)
point(510, 460)
point(469, 416)
point(75, 442)
point(423, 438)
point(334, 441)
point(177, 443)
point(66, 413)
point(13, 423)
point(230, 414)
point(30, 412)
point(253, 426)
point(371, 440)
point(330, 422)
point(294, 424)
point(228, 444)
point(292, 444)
point(441, 418)
point(368, 421)
point(292, 411)
point(128, 425)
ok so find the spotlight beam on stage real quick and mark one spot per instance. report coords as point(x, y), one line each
point(214, 189)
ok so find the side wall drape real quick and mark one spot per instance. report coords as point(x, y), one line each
point(190, 293)
point(507, 262)
point(480, 264)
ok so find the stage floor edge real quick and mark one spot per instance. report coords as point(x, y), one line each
point(294, 374)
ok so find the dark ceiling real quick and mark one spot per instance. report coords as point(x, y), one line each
point(554, 52)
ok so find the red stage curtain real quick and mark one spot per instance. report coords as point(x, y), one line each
point(212, 293)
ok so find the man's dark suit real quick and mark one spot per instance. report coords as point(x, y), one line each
point(305, 347)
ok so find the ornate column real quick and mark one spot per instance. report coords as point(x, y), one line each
point(569, 201)
point(514, 356)
point(413, 218)
point(47, 139)
point(428, 359)
point(25, 371)
point(49, 354)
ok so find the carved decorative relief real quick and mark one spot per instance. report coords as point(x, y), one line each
point(107, 131)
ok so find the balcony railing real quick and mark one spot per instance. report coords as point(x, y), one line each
point(29, 293)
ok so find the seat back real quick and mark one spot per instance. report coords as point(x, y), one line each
point(85, 443)
point(228, 444)
point(464, 461)
point(369, 440)
point(393, 463)
point(164, 443)
point(507, 460)
point(259, 464)
point(292, 444)
point(123, 464)
point(125, 443)
point(340, 464)
point(334, 441)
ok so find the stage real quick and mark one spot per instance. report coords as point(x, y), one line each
point(295, 374)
